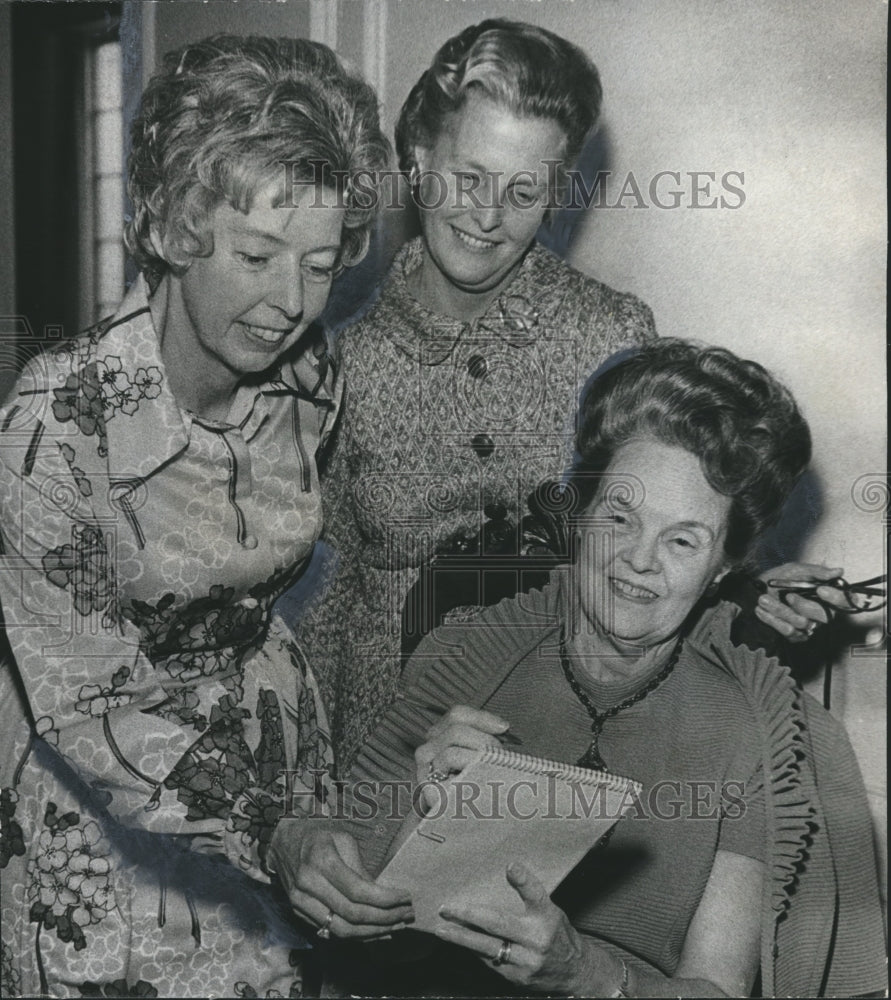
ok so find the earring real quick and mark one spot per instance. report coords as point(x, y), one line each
point(414, 176)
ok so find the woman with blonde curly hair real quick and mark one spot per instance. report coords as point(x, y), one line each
point(159, 490)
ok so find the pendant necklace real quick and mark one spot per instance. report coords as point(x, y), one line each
point(591, 757)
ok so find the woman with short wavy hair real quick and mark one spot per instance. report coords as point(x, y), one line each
point(159, 490)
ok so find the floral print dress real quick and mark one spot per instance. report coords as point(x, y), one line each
point(151, 702)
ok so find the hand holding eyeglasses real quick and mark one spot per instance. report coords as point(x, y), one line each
point(799, 597)
point(865, 595)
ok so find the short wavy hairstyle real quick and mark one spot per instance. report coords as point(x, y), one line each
point(733, 415)
point(527, 70)
point(219, 122)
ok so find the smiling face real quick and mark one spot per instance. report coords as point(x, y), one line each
point(235, 312)
point(639, 583)
point(496, 192)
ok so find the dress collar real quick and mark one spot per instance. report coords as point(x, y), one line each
point(145, 426)
point(515, 316)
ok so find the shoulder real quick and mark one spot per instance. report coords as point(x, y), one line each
point(582, 289)
point(44, 369)
point(600, 319)
point(44, 430)
point(755, 678)
point(65, 394)
point(489, 644)
point(43, 386)
point(733, 666)
point(718, 697)
point(709, 682)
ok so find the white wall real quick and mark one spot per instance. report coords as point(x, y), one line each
point(188, 20)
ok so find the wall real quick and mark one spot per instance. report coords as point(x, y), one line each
point(188, 20)
point(792, 96)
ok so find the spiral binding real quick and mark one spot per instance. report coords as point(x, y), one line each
point(529, 764)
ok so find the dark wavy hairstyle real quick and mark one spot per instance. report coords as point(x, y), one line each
point(527, 70)
point(219, 122)
point(734, 416)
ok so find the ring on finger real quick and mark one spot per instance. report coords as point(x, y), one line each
point(811, 628)
point(503, 956)
point(436, 776)
point(324, 932)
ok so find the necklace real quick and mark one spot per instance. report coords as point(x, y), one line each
point(591, 757)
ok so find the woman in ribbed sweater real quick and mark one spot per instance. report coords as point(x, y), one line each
point(629, 660)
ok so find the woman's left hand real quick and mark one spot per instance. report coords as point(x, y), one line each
point(545, 951)
point(797, 618)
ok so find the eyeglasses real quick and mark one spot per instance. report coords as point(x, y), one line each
point(867, 595)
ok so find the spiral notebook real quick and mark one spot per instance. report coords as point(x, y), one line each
point(504, 806)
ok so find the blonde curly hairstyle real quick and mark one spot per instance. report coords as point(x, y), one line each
point(228, 116)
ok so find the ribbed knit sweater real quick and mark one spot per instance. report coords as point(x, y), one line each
point(726, 713)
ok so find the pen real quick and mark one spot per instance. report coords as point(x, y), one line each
point(422, 705)
point(506, 738)
point(510, 739)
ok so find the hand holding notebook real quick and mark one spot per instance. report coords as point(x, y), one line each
point(503, 807)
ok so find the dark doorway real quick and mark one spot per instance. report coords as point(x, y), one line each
point(51, 43)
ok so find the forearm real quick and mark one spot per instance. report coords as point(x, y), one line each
point(98, 703)
point(602, 971)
